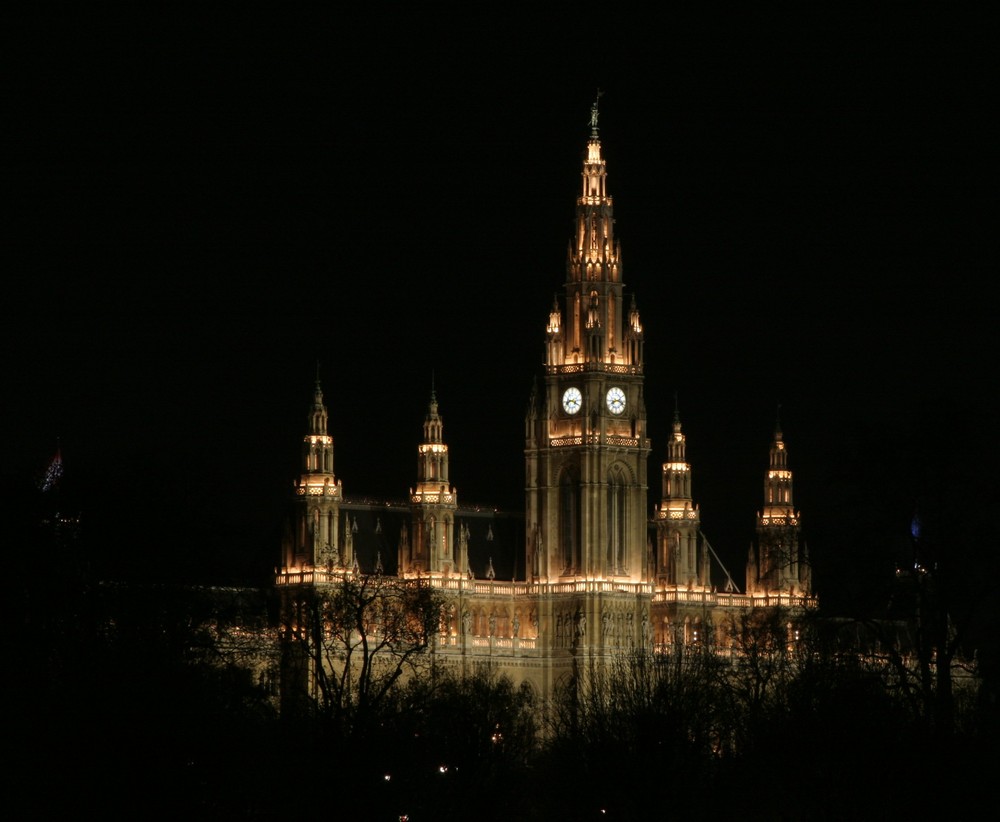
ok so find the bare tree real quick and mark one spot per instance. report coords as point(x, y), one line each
point(763, 645)
point(348, 644)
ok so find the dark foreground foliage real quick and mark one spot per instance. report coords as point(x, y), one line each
point(123, 701)
point(117, 716)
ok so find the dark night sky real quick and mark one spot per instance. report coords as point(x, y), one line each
point(201, 208)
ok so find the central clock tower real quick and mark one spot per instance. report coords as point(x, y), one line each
point(586, 447)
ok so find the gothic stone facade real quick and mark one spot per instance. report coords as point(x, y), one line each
point(594, 576)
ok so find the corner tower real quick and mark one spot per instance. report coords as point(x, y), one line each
point(314, 539)
point(431, 549)
point(679, 561)
point(780, 564)
point(585, 433)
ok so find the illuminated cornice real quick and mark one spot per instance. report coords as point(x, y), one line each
point(778, 519)
point(679, 514)
point(427, 497)
point(594, 365)
point(433, 448)
point(597, 439)
point(592, 585)
point(704, 596)
point(558, 442)
point(311, 487)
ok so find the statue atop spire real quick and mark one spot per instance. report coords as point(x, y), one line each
point(594, 113)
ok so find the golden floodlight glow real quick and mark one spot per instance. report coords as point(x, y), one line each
point(431, 496)
point(779, 474)
point(320, 438)
point(676, 513)
point(779, 520)
point(315, 487)
point(433, 448)
point(676, 466)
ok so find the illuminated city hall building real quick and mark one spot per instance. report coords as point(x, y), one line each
point(594, 575)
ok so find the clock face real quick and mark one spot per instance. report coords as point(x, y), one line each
point(572, 400)
point(616, 400)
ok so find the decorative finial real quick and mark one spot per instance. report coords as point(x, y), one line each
point(677, 409)
point(318, 393)
point(777, 423)
point(594, 113)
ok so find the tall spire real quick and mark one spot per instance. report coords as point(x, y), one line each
point(317, 451)
point(778, 482)
point(433, 427)
point(317, 414)
point(586, 448)
point(598, 328)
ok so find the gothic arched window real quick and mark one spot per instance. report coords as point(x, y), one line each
point(569, 522)
point(617, 522)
